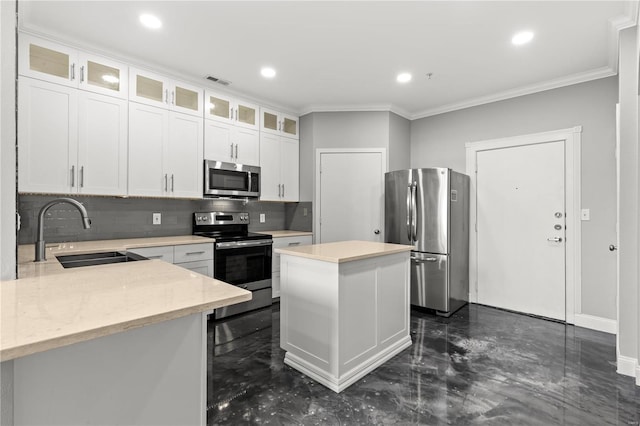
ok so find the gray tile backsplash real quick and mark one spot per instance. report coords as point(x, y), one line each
point(114, 217)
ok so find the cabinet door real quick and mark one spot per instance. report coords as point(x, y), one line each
point(47, 137)
point(290, 168)
point(184, 156)
point(203, 267)
point(47, 61)
point(148, 133)
point(246, 115)
point(247, 146)
point(186, 98)
point(218, 107)
point(269, 121)
point(103, 76)
point(289, 126)
point(148, 88)
point(102, 144)
point(271, 188)
point(218, 143)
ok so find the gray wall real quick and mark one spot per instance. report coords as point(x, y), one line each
point(439, 141)
point(114, 218)
point(399, 142)
point(307, 157)
point(628, 337)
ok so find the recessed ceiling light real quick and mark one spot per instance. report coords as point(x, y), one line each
point(404, 77)
point(522, 37)
point(268, 72)
point(150, 21)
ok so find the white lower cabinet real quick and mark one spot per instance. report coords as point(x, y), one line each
point(282, 242)
point(195, 257)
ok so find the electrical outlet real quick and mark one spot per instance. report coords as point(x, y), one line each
point(585, 214)
point(157, 218)
point(304, 211)
point(263, 219)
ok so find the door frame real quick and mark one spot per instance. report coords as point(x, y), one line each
point(318, 201)
point(572, 144)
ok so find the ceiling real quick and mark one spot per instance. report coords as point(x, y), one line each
point(338, 56)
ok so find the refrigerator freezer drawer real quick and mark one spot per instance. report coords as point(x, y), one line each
point(430, 281)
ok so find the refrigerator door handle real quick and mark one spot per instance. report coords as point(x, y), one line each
point(409, 204)
point(414, 213)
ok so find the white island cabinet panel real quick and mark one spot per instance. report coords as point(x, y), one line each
point(344, 308)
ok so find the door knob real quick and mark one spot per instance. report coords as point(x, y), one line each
point(613, 248)
point(555, 239)
point(377, 231)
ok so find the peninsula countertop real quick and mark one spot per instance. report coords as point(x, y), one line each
point(287, 233)
point(344, 251)
point(55, 307)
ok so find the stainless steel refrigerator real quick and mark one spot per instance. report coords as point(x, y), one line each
point(429, 209)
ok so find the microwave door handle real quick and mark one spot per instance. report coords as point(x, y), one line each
point(249, 181)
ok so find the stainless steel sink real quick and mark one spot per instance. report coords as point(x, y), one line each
point(102, 258)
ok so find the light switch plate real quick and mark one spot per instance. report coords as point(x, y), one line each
point(157, 218)
point(262, 218)
point(585, 214)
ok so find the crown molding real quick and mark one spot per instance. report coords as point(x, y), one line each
point(522, 91)
point(628, 20)
point(356, 108)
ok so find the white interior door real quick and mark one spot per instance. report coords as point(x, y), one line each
point(521, 228)
point(351, 186)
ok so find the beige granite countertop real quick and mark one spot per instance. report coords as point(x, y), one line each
point(26, 253)
point(50, 311)
point(344, 251)
point(286, 233)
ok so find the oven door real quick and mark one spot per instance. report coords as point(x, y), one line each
point(246, 264)
point(230, 180)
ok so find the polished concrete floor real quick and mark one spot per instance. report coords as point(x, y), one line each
point(480, 366)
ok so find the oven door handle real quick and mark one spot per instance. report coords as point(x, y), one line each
point(243, 244)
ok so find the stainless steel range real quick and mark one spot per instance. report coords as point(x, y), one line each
point(241, 258)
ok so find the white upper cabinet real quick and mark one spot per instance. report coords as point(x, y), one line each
point(157, 90)
point(278, 123)
point(70, 141)
point(56, 63)
point(165, 153)
point(222, 108)
point(279, 168)
point(226, 142)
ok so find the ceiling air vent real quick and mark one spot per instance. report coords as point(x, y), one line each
point(218, 80)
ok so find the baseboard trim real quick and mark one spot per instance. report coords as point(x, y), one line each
point(596, 323)
point(627, 366)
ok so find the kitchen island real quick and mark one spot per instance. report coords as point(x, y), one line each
point(111, 344)
point(344, 308)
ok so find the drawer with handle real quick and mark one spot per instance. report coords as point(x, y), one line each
point(164, 253)
point(193, 252)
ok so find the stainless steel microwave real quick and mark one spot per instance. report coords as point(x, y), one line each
point(231, 180)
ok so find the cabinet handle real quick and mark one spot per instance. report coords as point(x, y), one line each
point(191, 253)
point(236, 151)
point(172, 180)
point(231, 114)
point(232, 151)
point(165, 182)
point(82, 74)
point(279, 190)
point(73, 72)
point(297, 243)
point(73, 176)
point(236, 114)
point(82, 177)
point(166, 96)
point(173, 97)
point(283, 190)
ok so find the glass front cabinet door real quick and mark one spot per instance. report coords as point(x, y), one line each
point(103, 76)
point(47, 61)
point(278, 123)
point(220, 107)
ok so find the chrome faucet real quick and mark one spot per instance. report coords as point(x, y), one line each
point(86, 222)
